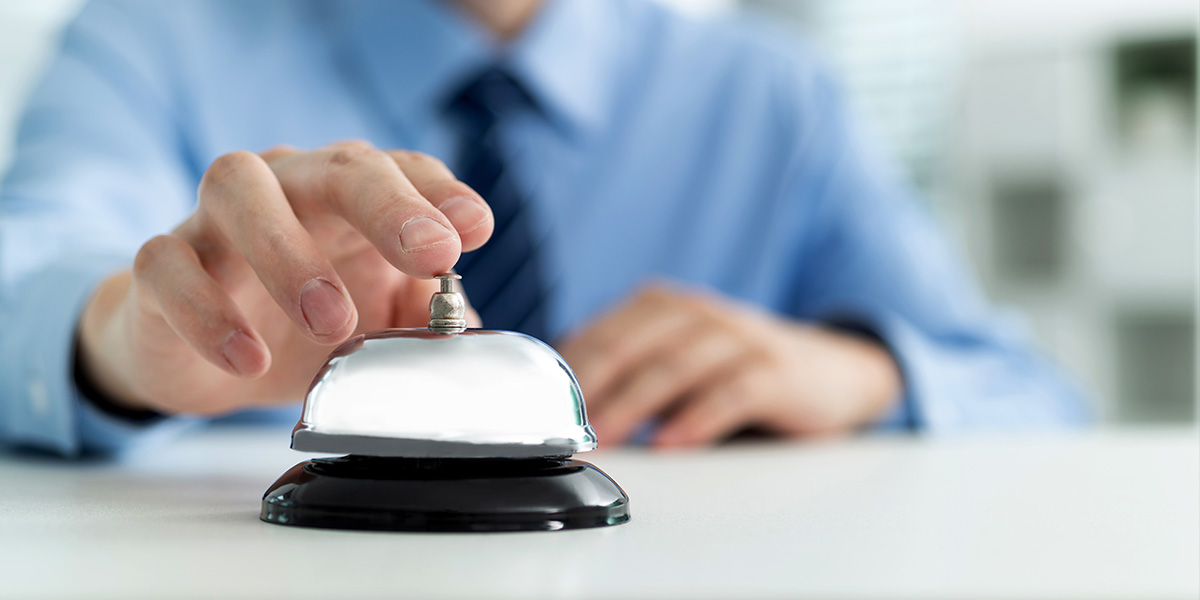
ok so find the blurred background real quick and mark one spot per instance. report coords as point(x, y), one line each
point(1054, 139)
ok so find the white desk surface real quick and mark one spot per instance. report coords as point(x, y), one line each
point(1102, 514)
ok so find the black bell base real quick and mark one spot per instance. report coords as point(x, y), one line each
point(445, 495)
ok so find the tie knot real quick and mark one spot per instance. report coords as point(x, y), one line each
point(488, 97)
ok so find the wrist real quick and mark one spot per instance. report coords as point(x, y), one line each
point(98, 350)
point(864, 376)
point(86, 385)
point(881, 383)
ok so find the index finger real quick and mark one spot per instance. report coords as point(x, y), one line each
point(368, 189)
point(465, 208)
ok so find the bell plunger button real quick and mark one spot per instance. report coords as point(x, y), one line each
point(447, 308)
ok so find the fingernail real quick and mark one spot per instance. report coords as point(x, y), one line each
point(422, 232)
point(242, 353)
point(325, 308)
point(464, 213)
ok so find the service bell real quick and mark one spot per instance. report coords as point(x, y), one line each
point(445, 429)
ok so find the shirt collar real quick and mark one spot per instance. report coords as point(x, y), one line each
point(567, 58)
point(416, 54)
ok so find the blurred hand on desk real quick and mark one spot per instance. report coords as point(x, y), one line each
point(708, 367)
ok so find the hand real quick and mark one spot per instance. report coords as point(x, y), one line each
point(287, 253)
point(708, 367)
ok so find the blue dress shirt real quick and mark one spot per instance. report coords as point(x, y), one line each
point(715, 154)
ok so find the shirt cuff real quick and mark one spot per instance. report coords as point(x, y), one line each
point(967, 382)
point(101, 432)
point(41, 405)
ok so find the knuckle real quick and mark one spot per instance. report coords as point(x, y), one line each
point(230, 166)
point(151, 254)
point(666, 369)
point(432, 163)
point(702, 307)
point(278, 151)
point(608, 347)
point(656, 290)
point(664, 295)
point(400, 155)
point(353, 143)
point(419, 158)
point(656, 384)
point(740, 389)
point(344, 167)
point(353, 155)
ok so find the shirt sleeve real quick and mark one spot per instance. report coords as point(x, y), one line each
point(872, 259)
point(99, 166)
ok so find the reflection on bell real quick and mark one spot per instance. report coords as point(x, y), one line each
point(446, 429)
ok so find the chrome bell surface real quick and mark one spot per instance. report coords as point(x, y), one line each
point(445, 392)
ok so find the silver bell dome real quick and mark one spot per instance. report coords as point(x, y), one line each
point(444, 392)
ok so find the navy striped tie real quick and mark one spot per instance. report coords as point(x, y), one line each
point(504, 279)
